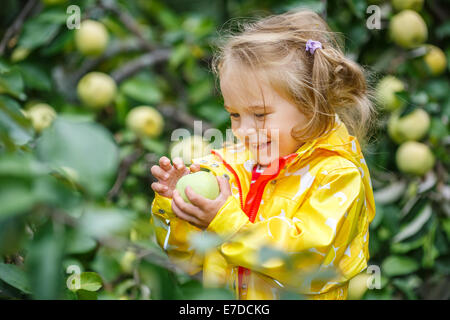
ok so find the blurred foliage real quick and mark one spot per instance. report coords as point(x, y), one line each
point(75, 179)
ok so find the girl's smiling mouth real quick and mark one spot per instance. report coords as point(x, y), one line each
point(261, 145)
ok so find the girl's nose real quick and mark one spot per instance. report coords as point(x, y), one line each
point(245, 133)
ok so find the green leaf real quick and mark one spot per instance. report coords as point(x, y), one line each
point(179, 54)
point(266, 253)
point(90, 281)
point(22, 165)
point(64, 38)
point(211, 294)
point(86, 295)
point(390, 193)
point(437, 88)
point(44, 262)
point(11, 82)
point(101, 222)
point(415, 225)
point(42, 29)
point(25, 181)
point(200, 91)
point(214, 114)
point(399, 265)
point(404, 247)
point(12, 234)
point(78, 242)
point(105, 264)
point(15, 277)
point(85, 147)
point(391, 218)
point(154, 145)
point(204, 241)
point(13, 122)
point(35, 77)
point(443, 30)
point(16, 196)
point(438, 129)
point(142, 89)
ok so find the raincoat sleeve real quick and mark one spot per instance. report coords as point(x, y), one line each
point(173, 234)
point(326, 231)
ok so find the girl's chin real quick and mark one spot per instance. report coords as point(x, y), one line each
point(264, 155)
point(264, 161)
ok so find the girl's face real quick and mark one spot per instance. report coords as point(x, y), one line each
point(266, 133)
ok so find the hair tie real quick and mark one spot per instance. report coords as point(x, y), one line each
point(312, 45)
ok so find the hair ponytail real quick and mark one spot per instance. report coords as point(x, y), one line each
point(343, 83)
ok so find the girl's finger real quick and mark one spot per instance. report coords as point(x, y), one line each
point(197, 200)
point(158, 187)
point(182, 215)
point(159, 173)
point(194, 167)
point(178, 163)
point(186, 207)
point(164, 163)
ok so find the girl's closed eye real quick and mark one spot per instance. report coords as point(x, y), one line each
point(257, 115)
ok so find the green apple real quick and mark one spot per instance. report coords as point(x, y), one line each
point(202, 182)
point(91, 38)
point(435, 60)
point(358, 286)
point(385, 93)
point(190, 148)
point(413, 126)
point(19, 54)
point(407, 29)
point(127, 261)
point(41, 116)
point(415, 158)
point(145, 121)
point(400, 5)
point(97, 90)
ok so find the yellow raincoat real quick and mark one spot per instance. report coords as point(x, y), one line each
point(315, 206)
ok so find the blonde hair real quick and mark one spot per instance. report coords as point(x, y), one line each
point(321, 85)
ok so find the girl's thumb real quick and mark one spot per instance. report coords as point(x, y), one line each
point(194, 167)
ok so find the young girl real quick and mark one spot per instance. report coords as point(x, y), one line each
point(296, 185)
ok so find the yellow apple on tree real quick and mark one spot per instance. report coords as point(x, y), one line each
point(41, 116)
point(97, 90)
point(145, 121)
point(19, 54)
point(435, 60)
point(385, 93)
point(408, 29)
point(413, 126)
point(91, 39)
point(414, 158)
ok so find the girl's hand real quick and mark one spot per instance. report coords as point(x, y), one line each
point(202, 210)
point(168, 175)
